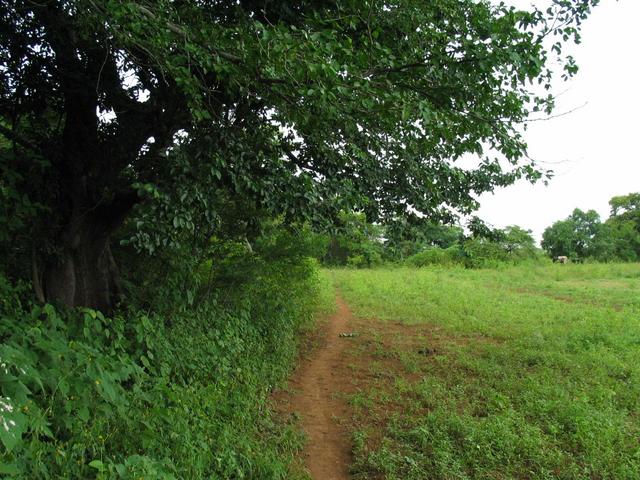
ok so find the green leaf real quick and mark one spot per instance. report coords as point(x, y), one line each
point(83, 414)
point(98, 465)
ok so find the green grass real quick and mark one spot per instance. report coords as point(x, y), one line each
point(524, 372)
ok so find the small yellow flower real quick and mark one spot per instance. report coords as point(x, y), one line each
point(97, 382)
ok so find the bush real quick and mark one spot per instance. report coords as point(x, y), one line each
point(474, 253)
point(436, 256)
point(482, 253)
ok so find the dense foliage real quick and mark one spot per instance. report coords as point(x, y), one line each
point(178, 392)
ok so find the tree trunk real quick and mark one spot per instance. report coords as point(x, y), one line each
point(84, 273)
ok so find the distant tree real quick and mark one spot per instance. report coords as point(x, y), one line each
point(588, 227)
point(626, 207)
point(519, 242)
point(487, 246)
point(581, 235)
point(479, 229)
point(443, 236)
point(559, 239)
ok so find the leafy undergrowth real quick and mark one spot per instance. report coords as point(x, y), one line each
point(470, 377)
point(182, 394)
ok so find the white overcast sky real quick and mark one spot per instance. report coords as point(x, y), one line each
point(593, 150)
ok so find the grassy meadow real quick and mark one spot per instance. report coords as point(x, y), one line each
point(528, 372)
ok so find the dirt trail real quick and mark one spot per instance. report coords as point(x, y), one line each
point(318, 384)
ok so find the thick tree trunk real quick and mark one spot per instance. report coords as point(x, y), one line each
point(84, 273)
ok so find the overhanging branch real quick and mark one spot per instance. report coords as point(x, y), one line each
point(179, 31)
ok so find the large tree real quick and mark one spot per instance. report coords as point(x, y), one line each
point(295, 108)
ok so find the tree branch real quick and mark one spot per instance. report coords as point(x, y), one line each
point(179, 31)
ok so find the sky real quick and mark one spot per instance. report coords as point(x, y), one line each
point(594, 149)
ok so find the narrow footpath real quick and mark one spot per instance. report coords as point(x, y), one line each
point(318, 388)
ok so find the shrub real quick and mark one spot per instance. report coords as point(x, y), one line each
point(436, 256)
point(482, 253)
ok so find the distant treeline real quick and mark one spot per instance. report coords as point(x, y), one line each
point(362, 244)
point(580, 237)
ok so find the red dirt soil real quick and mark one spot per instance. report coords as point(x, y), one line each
point(319, 385)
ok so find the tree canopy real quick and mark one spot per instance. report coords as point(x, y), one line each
point(185, 119)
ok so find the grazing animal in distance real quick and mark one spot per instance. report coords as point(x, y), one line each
point(561, 259)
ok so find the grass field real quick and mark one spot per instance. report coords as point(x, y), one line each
point(525, 372)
